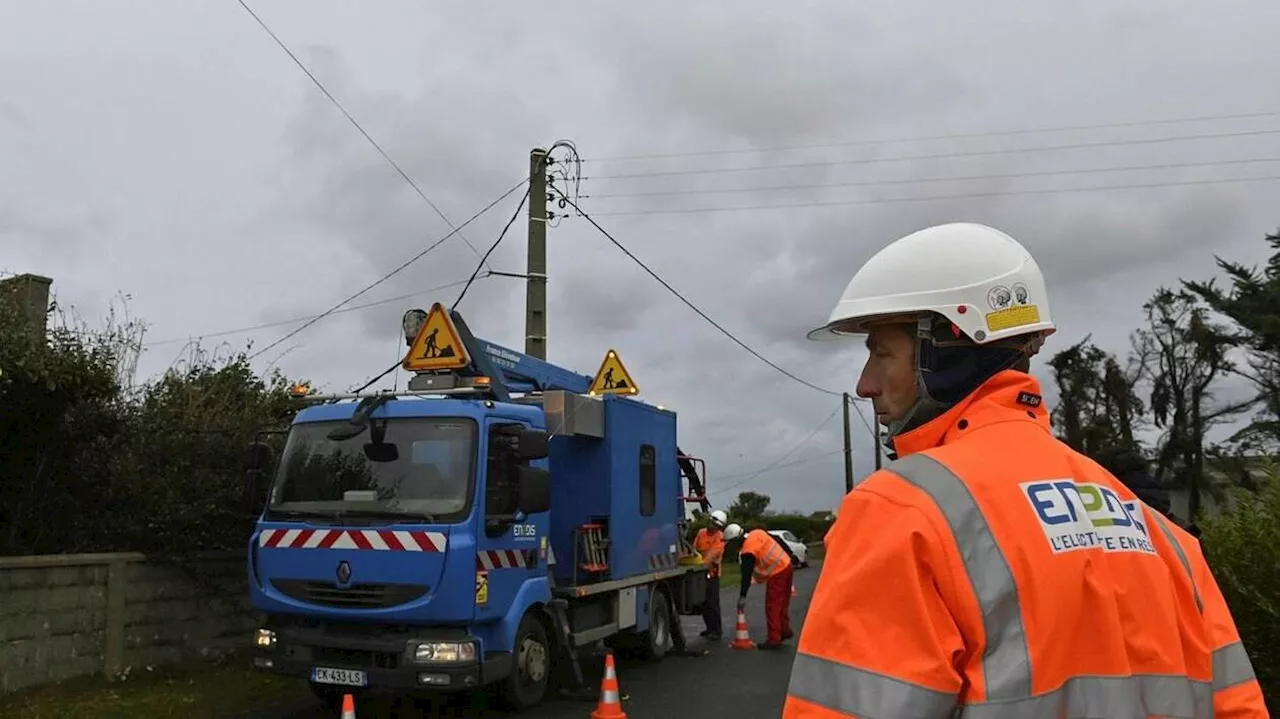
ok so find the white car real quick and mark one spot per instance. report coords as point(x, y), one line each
point(798, 548)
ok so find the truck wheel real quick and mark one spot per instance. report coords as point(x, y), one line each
point(531, 665)
point(657, 640)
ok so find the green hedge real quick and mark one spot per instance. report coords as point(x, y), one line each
point(1243, 548)
point(88, 465)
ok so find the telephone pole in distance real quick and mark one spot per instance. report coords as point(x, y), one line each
point(848, 444)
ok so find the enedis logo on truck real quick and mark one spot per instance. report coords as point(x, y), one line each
point(1083, 515)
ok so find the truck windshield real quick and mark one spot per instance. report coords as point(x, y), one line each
point(429, 476)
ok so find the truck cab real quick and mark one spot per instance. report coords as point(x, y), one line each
point(367, 550)
point(407, 541)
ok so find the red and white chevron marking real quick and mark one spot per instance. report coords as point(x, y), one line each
point(376, 539)
point(506, 558)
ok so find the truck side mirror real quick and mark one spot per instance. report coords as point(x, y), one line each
point(257, 460)
point(532, 444)
point(534, 489)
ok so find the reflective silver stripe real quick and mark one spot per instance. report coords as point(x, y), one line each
point(1182, 556)
point(1006, 663)
point(1231, 666)
point(1135, 697)
point(861, 693)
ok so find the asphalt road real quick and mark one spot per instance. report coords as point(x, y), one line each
point(725, 682)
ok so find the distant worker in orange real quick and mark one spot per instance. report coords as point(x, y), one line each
point(766, 560)
point(709, 542)
point(991, 571)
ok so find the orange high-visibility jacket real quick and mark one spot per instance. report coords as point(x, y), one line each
point(771, 558)
point(993, 569)
point(710, 544)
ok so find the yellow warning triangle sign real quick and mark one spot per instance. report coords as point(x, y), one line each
point(613, 378)
point(437, 346)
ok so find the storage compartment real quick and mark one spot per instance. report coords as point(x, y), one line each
point(689, 591)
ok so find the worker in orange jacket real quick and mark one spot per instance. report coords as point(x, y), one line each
point(990, 570)
point(709, 543)
point(766, 560)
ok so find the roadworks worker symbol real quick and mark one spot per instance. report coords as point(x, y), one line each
point(1082, 515)
point(437, 345)
point(613, 378)
point(482, 587)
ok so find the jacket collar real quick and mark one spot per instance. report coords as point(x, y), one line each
point(1009, 396)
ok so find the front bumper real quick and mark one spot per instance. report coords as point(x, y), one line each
point(385, 657)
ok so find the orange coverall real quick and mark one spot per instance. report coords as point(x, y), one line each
point(992, 569)
point(710, 544)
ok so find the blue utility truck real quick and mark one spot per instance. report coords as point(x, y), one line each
point(482, 527)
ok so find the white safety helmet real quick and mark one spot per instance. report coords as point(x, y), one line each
point(979, 278)
point(732, 532)
point(719, 518)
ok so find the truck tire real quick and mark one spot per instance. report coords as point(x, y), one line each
point(530, 665)
point(657, 640)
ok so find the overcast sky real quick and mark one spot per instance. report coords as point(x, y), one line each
point(173, 152)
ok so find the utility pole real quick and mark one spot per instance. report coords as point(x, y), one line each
point(535, 299)
point(875, 436)
point(848, 445)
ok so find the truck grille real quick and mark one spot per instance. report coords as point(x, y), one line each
point(356, 596)
point(361, 658)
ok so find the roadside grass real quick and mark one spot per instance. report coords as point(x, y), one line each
point(202, 689)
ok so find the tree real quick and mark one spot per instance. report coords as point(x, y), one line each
point(748, 507)
point(1098, 406)
point(1187, 353)
point(155, 470)
point(1252, 304)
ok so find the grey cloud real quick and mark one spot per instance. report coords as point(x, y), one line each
point(277, 208)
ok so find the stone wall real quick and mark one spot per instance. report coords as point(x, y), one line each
point(72, 615)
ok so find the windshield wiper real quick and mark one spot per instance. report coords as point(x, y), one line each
point(359, 421)
point(301, 513)
point(386, 514)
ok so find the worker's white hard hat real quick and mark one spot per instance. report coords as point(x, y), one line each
point(732, 532)
point(982, 280)
point(719, 518)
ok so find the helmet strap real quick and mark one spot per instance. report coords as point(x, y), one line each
point(949, 368)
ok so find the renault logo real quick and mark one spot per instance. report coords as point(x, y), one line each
point(344, 572)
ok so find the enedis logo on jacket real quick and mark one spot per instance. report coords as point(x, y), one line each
point(1084, 515)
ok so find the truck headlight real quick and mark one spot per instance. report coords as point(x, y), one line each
point(432, 652)
point(264, 639)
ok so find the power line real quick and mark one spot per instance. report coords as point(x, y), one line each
point(875, 436)
point(281, 323)
point(953, 178)
point(492, 247)
point(774, 464)
point(784, 465)
point(352, 120)
point(691, 306)
point(935, 155)
point(394, 272)
point(928, 138)
point(964, 196)
point(463, 293)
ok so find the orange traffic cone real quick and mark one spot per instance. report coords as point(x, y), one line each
point(741, 637)
point(348, 707)
point(610, 704)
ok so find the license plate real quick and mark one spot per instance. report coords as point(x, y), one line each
point(344, 677)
